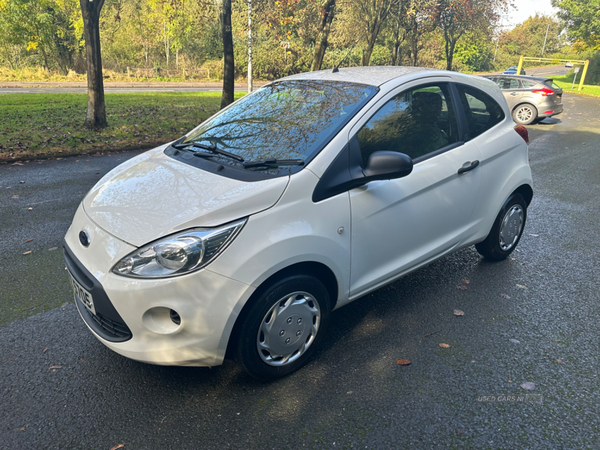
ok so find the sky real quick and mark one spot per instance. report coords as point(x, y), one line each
point(524, 9)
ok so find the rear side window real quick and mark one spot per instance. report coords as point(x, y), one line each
point(528, 84)
point(481, 110)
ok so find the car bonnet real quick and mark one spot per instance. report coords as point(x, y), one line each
point(153, 195)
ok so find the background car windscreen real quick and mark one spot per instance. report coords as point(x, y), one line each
point(285, 120)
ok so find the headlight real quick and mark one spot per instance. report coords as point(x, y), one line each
point(178, 254)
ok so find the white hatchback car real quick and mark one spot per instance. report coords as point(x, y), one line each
point(240, 238)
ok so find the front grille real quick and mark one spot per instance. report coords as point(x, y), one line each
point(113, 328)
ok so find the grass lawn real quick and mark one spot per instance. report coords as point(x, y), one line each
point(566, 81)
point(45, 125)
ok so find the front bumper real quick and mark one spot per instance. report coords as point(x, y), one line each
point(205, 303)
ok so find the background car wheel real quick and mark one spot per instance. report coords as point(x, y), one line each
point(525, 114)
point(283, 327)
point(506, 231)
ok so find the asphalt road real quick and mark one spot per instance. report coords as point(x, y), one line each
point(533, 318)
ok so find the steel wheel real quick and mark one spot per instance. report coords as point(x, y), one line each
point(288, 329)
point(510, 228)
point(506, 231)
point(282, 326)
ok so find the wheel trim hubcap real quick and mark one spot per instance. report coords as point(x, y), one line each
point(511, 226)
point(288, 329)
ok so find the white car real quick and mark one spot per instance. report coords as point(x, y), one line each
point(240, 238)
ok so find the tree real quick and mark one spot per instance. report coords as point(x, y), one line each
point(328, 11)
point(96, 110)
point(228, 61)
point(582, 18)
point(418, 20)
point(372, 15)
point(457, 17)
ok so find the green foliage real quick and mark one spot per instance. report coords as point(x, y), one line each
point(583, 21)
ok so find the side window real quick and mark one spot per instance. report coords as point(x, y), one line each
point(481, 110)
point(528, 84)
point(508, 83)
point(415, 122)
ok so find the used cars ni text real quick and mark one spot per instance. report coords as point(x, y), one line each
point(240, 238)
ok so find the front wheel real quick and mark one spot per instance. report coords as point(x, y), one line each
point(506, 231)
point(283, 327)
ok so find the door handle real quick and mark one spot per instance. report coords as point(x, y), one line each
point(464, 169)
point(514, 93)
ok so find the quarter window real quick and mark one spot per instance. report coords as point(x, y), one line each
point(416, 122)
point(481, 110)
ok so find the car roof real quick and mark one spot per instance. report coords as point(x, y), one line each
point(522, 77)
point(372, 75)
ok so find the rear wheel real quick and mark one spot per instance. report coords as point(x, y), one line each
point(525, 114)
point(506, 231)
point(283, 327)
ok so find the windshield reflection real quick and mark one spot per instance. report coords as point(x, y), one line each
point(285, 120)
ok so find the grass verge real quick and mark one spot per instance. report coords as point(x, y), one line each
point(566, 81)
point(36, 126)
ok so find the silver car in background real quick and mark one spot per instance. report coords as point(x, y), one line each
point(530, 99)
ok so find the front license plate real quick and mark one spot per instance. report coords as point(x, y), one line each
point(82, 295)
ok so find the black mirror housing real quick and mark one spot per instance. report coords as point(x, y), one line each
point(386, 165)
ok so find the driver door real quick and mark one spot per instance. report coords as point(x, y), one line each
point(400, 224)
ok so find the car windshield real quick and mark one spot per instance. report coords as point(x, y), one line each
point(284, 120)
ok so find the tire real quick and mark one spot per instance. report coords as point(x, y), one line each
point(506, 231)
point(300, 307)
point(525, 114)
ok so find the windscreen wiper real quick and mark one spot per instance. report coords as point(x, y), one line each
point(211, 148)
point(273, 162)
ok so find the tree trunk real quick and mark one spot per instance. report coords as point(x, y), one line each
point(323, 36)
point(228, 63)
point(96, 111)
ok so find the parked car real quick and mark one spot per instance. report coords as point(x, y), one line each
point(240, 238)
point(512, 70)
point(530, 99)
point(569, 64)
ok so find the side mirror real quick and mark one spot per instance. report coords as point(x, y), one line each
point(386, 165)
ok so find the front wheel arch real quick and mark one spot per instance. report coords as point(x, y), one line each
point(315, 269)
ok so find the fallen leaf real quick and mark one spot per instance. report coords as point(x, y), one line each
point(514, 341)
point(52, 249)
point(534, 235)
point(45, 350)
point(403, 362)
point(17, 164)
point(520, 286)
point(22, 182)
point(458, 312)
point(444, 345)
point(55, 367)
point(15, 196)
point(28, 241)
point(30, 209)
point(464, 281)
point(27, 253)
point(118, 446)
point(528, 386)
point(462, 287)
point(559, 361)
point(504, 295)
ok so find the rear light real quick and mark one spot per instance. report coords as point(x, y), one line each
point(523, 133)
point(548, 112)
point(545, 92)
